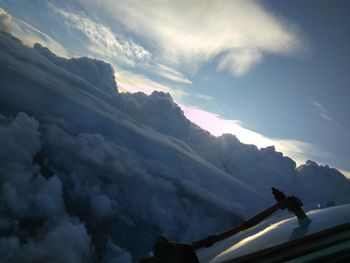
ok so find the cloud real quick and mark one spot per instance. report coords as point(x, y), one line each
point(86, 161)
point(217, 126)
point(29, 34)
point(345, 172)
point(5, 21)
point(240, 61)
point(131, 82)
point(316, 180)
point(89, 174)
point(170, 73)
point(203, 97)
point(260, 168)
point(98, 73)
point(102, 41)
point(187, 34)
point(32, 204)
point(324, 113)
point(116, 48)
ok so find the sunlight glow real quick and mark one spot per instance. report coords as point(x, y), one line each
point(253, 237)
point(131, 82)
point(126, 87)
point(345, 172)
point(217, 126)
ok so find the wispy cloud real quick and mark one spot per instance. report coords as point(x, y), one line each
point(190, 33)
point(102, 40)
point(170, 73)
point(105, 44)
point(240, 61)
point(203, 97)
point(31, 35)
point(324, 113)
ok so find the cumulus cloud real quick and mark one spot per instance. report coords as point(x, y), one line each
point(130, 82)
point(96, 72)
point(87, 176)
point(5, 21)
point(216, 125)
point(33, 205)
point(271, 167)
point(61, 171)
point(271, 164)
point(116, 254)
point(316, 179)
point(193, 33)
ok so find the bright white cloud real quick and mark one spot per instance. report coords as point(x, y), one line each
point(217, 126)
point(105, 44)
point(240, 61)
point(193, 32)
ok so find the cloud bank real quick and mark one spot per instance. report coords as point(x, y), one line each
point(94, 171)
point(216, 125)
point(32, 205)
point(86, 171)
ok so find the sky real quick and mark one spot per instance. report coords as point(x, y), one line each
point(271, 72)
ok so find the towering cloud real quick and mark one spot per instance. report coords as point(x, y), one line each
point(96, 72)
point(88, 174)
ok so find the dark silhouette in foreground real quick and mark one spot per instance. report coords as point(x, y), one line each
point(175, 252)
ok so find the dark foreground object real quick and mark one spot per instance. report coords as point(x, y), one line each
point(173, 252)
